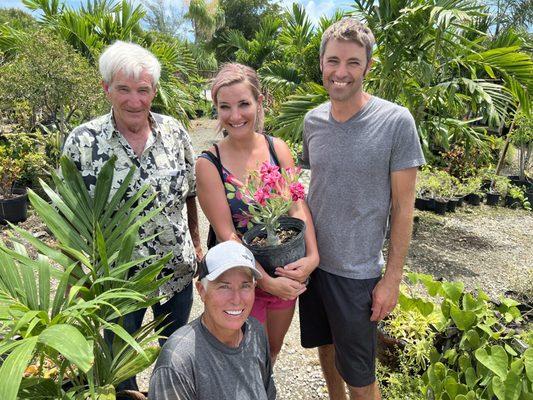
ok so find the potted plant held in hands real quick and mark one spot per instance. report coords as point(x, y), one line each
point(274, 238)
point(13, 201)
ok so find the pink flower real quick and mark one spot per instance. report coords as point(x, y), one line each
point(297, 191)
point(262, 195)
point(270, 174)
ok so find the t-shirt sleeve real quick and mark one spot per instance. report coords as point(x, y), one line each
point(167, 384)
point(406, 148)
point(190, 159)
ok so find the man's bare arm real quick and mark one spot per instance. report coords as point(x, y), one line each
point(386, 292)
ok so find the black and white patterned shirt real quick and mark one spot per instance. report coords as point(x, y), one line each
point(166, 165)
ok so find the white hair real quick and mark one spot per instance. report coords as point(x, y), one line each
point(131, 59)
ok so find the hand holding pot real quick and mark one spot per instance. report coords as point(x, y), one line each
point(298, 270)
point(284, 288)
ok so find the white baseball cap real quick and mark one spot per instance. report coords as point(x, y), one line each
point(225, 256)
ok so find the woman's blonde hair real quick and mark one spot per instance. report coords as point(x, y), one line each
point(232, 73)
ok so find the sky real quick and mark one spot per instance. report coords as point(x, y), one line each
point(315, 8)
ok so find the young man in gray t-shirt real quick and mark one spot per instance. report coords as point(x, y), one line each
point(223, 354)
point(363, 153)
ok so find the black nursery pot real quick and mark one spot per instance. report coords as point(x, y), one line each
point(441, 206)
point(420, 203)
point(493, 199)
point(460, 201)
point(511, 202)
point(271, 257)
point(474, 199)
point(452, 205)
point(15, 209)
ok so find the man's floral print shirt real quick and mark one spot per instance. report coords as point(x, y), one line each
point(166, 165)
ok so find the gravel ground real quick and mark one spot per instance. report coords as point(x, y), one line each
point(481, 246)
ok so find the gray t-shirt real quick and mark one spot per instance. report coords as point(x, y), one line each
point(349, 195)
point(195, 365)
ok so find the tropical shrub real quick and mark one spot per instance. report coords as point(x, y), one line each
point(57, 86)
point(458, 82)
point(98, 282)
point(464, 345)
point(26, 150)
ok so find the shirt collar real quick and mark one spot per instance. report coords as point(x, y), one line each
point(109, 126)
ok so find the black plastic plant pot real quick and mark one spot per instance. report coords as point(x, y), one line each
point(271, 257)
point(441, 206)
point(452, 205)
point(420, 204)
point(14, 209)
point(511, 202)
point(493, 199)
point(430, 205)
point(460, 201)
point(474, 199)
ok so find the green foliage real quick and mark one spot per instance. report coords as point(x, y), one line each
point(22, 159)
point(519, 197)
point(245, 16)
point(97, 24)
point(457, 81)
point(98, 281)
point(17, 19)
point(474, 355)
point(58, 86)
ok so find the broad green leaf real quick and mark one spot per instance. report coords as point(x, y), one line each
point(425, 307)
point(517, 366)
point(470, 303)
point(450, 387)
point(528, 363)
point(69, 342)
point(464, 320)
point(464, 362)
point(13, 367)
point(509, 389)
point(453, 290)
point(472, 338)
point(496, 361)
point(471, 378)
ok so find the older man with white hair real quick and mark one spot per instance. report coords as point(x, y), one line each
point(223, 354)
point(161, 150)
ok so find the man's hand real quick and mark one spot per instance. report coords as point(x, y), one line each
point(298, 270)
point(384, 298)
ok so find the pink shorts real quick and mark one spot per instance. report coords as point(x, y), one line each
point(265, 301)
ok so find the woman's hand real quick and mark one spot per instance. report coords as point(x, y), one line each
point(284, 288)
point(299, 270)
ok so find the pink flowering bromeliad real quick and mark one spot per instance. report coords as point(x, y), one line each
point(269, 194)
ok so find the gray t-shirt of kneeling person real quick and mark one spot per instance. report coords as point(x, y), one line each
point(195, 365)
point(350, 190)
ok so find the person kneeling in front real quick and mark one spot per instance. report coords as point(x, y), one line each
point(223, 354)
